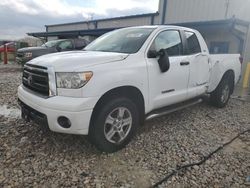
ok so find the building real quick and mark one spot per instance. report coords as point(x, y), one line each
point(223, 23)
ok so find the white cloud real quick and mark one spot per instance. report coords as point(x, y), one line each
point(104, 5)
point(59, 8)
point(52, 7)
point(64, 8)
point(19, 5)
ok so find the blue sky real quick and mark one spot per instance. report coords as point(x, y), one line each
point(82, 3)
point(17, 17)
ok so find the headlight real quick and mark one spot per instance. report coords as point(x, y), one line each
point(28, 55)
point(72, 80)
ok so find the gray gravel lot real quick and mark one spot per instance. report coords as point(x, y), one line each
point(30, 156)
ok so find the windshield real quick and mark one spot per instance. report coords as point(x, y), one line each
point(50, 43)
point(128, 40)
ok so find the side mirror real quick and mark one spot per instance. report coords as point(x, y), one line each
point(163, 61)
point(58, 48)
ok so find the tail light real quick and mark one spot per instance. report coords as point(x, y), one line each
point(241, 59)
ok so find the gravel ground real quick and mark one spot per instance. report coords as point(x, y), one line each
point(30, 156)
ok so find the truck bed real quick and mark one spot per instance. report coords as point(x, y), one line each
point(220, 63)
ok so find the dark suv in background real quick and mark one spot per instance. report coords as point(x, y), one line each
point(26, 54)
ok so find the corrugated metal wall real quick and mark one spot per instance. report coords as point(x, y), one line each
point(179, 11)
point(71, 27)
point(125, 22)
point(103, 24)
point(240, 9)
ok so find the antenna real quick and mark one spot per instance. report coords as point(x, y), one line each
point(227, 7)
point(91, 16)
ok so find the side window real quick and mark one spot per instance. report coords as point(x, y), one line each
point(192, 43)
point(66, 45)
point(169, 40)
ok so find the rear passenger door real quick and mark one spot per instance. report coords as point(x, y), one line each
point(199, 65)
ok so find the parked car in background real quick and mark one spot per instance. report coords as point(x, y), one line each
point(26, 54)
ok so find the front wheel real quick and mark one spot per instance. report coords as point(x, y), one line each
point(221, 95)
point(114, 125)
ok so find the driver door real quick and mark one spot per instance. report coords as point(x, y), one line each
point(170, 87)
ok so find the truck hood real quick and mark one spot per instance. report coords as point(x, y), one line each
point(32, 49)
point(76, 60)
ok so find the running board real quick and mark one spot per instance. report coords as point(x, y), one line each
point(172, 108)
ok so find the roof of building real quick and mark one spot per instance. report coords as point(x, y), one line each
point(107, 19)
point(94, 32)
point(98, 32)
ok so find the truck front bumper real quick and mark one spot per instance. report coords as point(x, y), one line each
point(47, 111)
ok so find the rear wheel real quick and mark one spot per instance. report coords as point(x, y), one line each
point(114, 125)
point(221, 95)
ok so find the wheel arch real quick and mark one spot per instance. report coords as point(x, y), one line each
point(218, 77)
point(130, 92)
point(229, 74)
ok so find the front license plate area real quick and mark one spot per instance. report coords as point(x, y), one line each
point(25, 114)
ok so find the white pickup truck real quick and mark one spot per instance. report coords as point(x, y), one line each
point(122, 78)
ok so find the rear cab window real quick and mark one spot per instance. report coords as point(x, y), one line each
point(193, 44)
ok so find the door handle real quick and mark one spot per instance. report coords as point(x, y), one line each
point(184, 63)
point(201, 54)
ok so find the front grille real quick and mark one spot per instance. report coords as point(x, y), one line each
point(20, 54)
point(36, 79)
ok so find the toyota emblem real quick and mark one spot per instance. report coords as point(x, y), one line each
point(29, 80)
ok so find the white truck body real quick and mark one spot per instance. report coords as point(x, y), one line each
point(189, 76)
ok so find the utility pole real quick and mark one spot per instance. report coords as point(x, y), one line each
point(91, 16)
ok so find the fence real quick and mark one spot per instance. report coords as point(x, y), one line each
point(7, 53)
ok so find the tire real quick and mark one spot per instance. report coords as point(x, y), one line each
point(114, 124)
point(220, 97)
